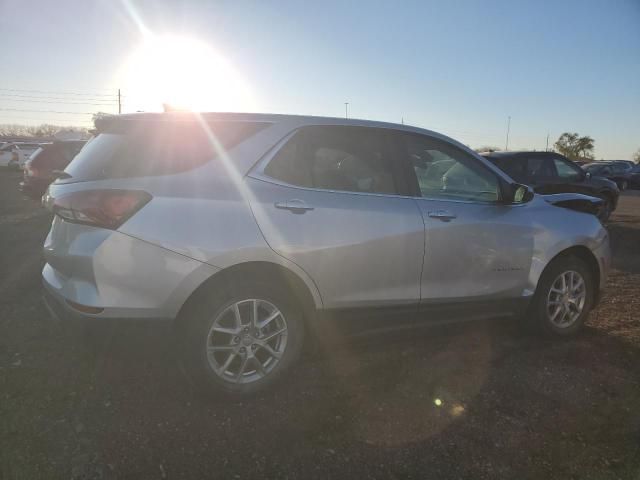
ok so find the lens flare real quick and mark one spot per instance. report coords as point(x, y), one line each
point(182, 73)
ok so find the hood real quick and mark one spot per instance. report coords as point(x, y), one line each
point(575, 201)
point(603, 182)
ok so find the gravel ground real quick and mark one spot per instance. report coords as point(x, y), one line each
point(473, 401)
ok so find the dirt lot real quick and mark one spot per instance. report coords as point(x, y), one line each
point(472, 401)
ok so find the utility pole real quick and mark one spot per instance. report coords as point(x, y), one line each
point(506, 146)
point(346, 109)
point(547, 147)
point(119, 103)
point(402, 120)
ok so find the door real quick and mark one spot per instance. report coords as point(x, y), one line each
point(570, 177)
point(333, 201)
point(477, 250)
point(542, 174)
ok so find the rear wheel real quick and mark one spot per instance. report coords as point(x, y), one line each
point(564, 297)
point(242, 341)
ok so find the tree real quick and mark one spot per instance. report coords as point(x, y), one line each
point(636, 156)
point(575, 147)
point(44, 131)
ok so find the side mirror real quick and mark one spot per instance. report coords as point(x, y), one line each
point(517, 193)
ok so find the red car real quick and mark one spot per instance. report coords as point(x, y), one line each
point(44, 165)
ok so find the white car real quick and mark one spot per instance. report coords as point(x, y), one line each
point(28, 149)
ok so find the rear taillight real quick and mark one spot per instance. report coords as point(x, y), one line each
point(100, 208)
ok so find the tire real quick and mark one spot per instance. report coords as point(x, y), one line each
point(542, 310)
point(206, 350)
point(605, 210)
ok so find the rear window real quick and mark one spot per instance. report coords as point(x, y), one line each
point(155, 148)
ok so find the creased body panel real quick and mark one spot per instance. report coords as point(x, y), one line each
point(126, 276)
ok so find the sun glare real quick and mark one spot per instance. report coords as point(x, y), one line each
point(183, 73)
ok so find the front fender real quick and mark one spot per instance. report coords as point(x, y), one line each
point(557, 230)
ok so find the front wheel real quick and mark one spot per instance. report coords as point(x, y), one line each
point(564, 297)
point(605, 210)
point(242, 341)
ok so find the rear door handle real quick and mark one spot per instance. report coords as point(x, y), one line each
point(294, 205)
point(444, 215)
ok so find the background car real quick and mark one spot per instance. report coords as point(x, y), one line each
point(28, 148)
point(252, 232)
point(550, 173)
point(616, 171)
point(11, 156)
point(634, 177)
point(45, 164)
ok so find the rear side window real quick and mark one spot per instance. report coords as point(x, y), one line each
point(142, 148)
point(351, 159)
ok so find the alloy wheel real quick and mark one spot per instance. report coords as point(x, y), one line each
point(246, 341)
point(566, 299)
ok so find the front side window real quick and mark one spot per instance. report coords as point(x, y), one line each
point(443, 171)
point(540, 168)
point(351, 159)
point(567, 171)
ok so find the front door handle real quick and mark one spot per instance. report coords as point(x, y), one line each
point(295, 205)
point(444, 215)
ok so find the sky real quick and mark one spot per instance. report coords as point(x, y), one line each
point(460, 67)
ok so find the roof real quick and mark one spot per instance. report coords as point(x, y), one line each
point(515, 153)
point(290, 121)
point(253, 117)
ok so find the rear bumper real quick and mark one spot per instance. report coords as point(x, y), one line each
point(65, 315)
point(92, 270)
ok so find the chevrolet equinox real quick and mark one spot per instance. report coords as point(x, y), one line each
point(252, 233)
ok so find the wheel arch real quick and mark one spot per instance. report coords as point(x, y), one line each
point(587, 256)
point(261, 270)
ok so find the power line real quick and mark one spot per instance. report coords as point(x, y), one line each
point(58, 92)
point(44, 111)
point(9, 117)
point(110, 104)
point(36, 97)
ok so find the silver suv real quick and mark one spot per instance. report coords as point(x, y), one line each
point(253, 233)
